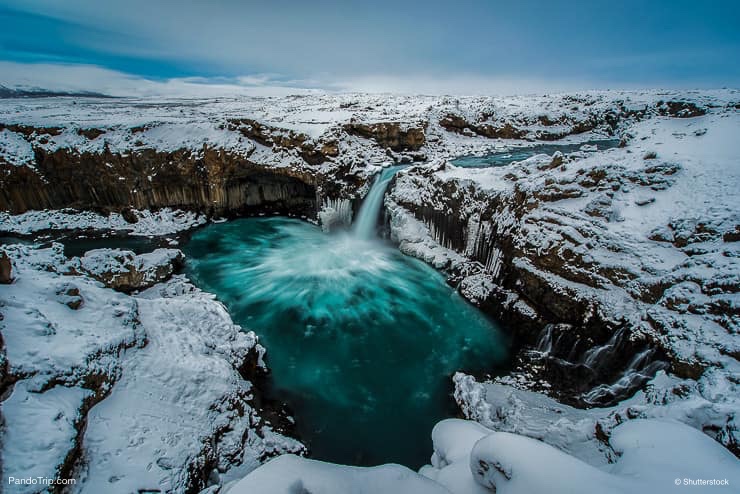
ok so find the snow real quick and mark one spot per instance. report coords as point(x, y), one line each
point(290, 474)
point(43, 431)
point(707, 405)
point(651, 456)
point(159, 371)
point(14, 149)
point(162, 222)
point(604, 228)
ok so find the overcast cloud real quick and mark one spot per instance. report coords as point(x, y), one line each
point(411, 46)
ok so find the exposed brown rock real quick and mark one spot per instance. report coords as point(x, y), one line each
point(212, 181)
point(284, 139)
point(456, 123)
point(680, 109)
point(6, 267)
point(391, 135)
point(30, 131)
point(91, 133)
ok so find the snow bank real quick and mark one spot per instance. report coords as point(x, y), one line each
point(651, 456)
point(162, 222)
point(290, 474)
point(150, 388)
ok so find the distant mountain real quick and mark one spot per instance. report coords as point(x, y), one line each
point(6, 92)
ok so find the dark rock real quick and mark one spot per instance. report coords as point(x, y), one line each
point(645, 202)
point(284, 139)
point(6, 268)
point(680, 109)
point(29, 131)
point(129, 215)
point(70, 296)
point(455, 123)
point(126, 272)
point(556, 192)
point(557, 160)
point(732, 235)
point(391, 135)
point(91, 133)
point(213, 181)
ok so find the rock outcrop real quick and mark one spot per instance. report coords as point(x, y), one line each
point(6, 269)
point(214, 181)
point(125, 393)
point(124, 271)
point(392, 135)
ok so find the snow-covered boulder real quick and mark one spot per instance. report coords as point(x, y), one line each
point(651, 456)
point(125, 271)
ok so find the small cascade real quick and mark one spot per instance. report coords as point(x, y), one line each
point(367, 218)
point(544, 344)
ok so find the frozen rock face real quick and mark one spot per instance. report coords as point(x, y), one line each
point(223, 157)
point(125, 271)
point(708, 406)
point(125, 394)
point(603, 262)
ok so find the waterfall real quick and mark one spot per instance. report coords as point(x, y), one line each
point(367, 217)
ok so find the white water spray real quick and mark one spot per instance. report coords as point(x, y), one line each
point(367, 218)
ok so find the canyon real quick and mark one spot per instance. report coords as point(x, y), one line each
point(613, 269)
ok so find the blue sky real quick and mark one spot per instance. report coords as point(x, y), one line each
point(336, 44)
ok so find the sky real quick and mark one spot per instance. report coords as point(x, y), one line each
point(463, 46)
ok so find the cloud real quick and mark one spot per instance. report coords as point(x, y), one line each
point(324, 42)
point(91, 78)
point(75, 78)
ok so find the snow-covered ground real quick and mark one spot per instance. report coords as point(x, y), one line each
point(162, 222)
point(128, 393)
point(652, 456)
point(125, 125)
point(146, 388)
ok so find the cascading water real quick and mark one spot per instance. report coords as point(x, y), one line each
point(361, 339)
point(367, 218)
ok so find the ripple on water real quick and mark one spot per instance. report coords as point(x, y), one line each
point(361, 339)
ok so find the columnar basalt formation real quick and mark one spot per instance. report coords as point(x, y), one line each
point(215, 182)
